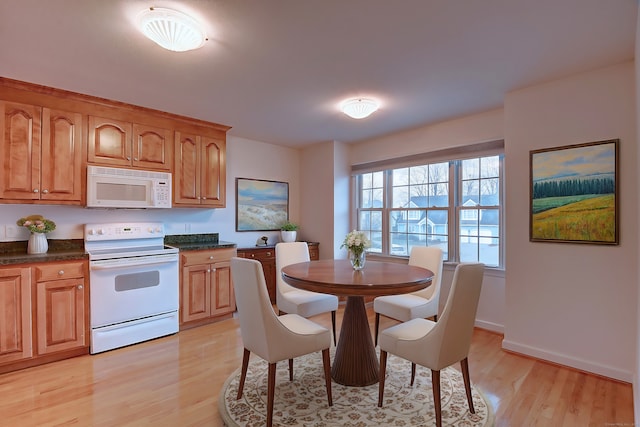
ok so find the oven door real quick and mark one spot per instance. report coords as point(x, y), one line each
point(125, 289)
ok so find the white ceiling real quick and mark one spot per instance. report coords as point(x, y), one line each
point(276, 70)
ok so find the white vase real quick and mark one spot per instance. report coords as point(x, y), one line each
point(288, 236)
point(37, 244)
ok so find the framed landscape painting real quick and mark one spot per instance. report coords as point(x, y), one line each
point(574, 193)
point(261, 205)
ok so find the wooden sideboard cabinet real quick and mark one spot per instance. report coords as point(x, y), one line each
point(45, 309)
point(41, 151)
point(206, 289)
point(267, 257)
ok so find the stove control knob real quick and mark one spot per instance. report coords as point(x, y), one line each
point(158, 230)
point(102, 231)
point(151, 230)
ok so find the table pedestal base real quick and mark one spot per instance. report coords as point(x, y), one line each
point(355, 362)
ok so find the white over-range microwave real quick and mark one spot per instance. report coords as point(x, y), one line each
point(127, 188)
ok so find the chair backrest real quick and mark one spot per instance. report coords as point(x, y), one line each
point(428, 257)
point(288, 253)
point(259, 324)
point(455, 325)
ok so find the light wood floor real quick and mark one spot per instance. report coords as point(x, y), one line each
point(174, 381)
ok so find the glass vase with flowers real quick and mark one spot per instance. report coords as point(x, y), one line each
point(356, 243)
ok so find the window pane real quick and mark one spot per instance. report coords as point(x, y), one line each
point(400, 197)
point(438, 195)
point(366, 199)
point(419, 175)
point(490, 167)
point(400, 176)
point(470, 192)
point(398, 244)
point(471, 169)
point(489, 192)
point(376, 242)
point(439, 172)
point(377, 179)
point(365, 220)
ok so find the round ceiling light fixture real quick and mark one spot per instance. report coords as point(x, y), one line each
point(171, 29)
point(359, 108)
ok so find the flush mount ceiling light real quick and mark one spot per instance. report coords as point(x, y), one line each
point(171, 29)
point(359, 108)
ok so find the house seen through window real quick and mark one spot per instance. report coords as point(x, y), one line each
point(455, 205)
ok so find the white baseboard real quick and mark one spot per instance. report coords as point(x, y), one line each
point(573, 362)
point(490, 326)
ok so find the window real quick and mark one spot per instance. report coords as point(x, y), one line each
point(455, 205)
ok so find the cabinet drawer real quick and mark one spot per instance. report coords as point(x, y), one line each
point(207, 256)
point(259, 254)
point(56, 271)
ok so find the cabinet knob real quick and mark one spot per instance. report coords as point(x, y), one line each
point(45, 191)
point(80, 286)
point(211, 257)
point(135, 158)
point(128, 158)
point(60, 273)
point(35, 190)
point(253, 255)
point(204, 198)
point(209, 271)
point(268, 253)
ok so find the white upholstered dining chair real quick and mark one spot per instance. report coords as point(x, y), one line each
point(273, 338)
point(436, 345)
point(420, 304)
point(298, 301)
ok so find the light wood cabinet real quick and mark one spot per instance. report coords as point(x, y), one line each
point(41, 149)
point(15, 327)
point(60, 307)
point(267, 257)
point(44, 310)
point(120, 143)
point(206, 289)
point(200, 171)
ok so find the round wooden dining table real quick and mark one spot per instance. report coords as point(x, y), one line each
point(355, 362)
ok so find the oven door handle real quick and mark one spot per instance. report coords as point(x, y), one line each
point(129, 262)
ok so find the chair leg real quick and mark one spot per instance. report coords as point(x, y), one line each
point(290, 369)
point(435, 383)
point(333, 324)
point(383, 373)
point(243, 375)
point(464, 364)
point(413, 373)
point(326, 363)
point(376, 329)
point(280, 312)
point(435, 317)
point(271, 387)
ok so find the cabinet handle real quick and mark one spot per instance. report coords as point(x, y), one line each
point(209, 271)
point(211, 257)
point(45, 191)
point(35, 190)
point(135, 158)
point(268, 253)
point(80, 286)
point(128, 158)
point(253, 255)
point(204, 198)
point(60, 273)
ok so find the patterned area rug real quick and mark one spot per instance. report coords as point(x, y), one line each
point(303, 402)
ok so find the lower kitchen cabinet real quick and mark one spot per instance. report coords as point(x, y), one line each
point(206, 289)
point(267, 257)
point(45, 307)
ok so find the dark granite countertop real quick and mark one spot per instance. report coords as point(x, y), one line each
point(59, 250)
point(194, 242)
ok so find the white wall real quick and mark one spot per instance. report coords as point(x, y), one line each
point(476, 128)
point(245, 159)
point(574, 304)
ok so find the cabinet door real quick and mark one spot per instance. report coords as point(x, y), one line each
point(15, 323)
point(213, 173)
point(186, 178)
point(109, 142)
point(62, 152)
point(20, 128)
point(152, 147)
point(196, 292)
point(60, 315)
point(222, 298)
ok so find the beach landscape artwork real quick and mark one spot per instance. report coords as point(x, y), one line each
point(261, 205)
point(574, 193)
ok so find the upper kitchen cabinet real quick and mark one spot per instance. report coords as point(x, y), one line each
point(200, 171)
point(41, 150)
point(119, 143)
